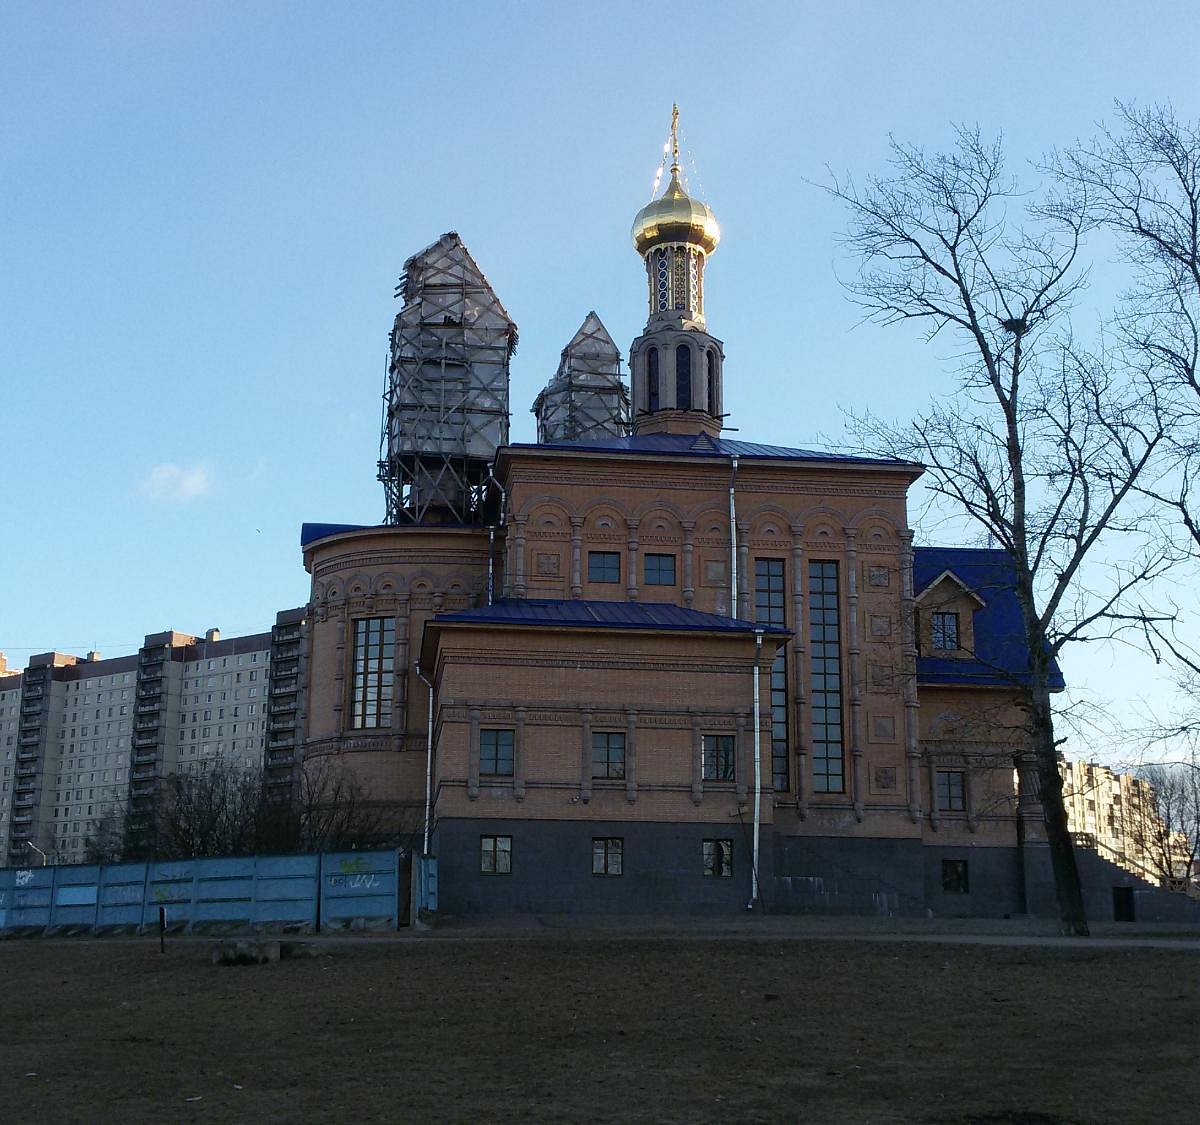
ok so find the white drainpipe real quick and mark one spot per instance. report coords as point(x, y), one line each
point(733, 574)
point(758, 639)
point(428, 760)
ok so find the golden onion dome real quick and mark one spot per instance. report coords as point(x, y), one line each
point(675, 217)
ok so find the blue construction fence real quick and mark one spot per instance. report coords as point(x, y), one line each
point(307, 893)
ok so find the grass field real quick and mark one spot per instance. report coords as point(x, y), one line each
point(576, 1028)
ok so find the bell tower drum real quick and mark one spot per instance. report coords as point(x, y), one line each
point(675, 365)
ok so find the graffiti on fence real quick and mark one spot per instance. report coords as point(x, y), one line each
point(354, 882)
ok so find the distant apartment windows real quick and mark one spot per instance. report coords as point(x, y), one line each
point(683, 377)
point(604, 566)
point(955, 877)
point(944, 632)
point(719, 757)
point(769, 609)
point(608, 855)
point(496, 753)
point(495, 855)
point(608, 754)
point(951, 790)
point(659, 570)
point(374, 654)
point(652, 395)
point(718, 859)
point(825, 656)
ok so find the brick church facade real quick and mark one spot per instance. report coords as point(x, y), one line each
point(637, 666)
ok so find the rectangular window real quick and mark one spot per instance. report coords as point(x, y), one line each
point(944, 631)
point(955, 878)
point(718, 757)
point(496, 752)
point(769, 609)
point(495, 855)
point(608, 754)
point(607, 855)
point(825, 655)
point(951, 790)
point(374, 649)
point(604, 566)
point(659, 570)
point(718, 859)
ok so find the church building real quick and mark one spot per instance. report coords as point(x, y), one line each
point(638, 666)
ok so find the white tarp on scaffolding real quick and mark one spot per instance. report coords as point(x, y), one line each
point(586, 399)
point(446, 404)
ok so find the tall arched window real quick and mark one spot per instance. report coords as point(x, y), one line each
point(652, 380)
point(714, 407)
point(683, 377)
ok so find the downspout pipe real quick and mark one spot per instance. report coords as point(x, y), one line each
point(758, 641)
point(428, 760)
point(491, 571)
point(733, 574)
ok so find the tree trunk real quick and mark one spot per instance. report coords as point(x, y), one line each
point(1067, 884)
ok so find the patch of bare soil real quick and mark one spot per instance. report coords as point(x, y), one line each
point(580, 1029)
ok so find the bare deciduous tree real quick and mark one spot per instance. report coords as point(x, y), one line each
point(225, 810)
point(1166, 830)
point(1043, 444)
point(1141, 181)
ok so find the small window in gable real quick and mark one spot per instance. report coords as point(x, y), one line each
point(944, 632)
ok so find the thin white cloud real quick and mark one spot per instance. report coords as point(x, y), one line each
point(176, 484)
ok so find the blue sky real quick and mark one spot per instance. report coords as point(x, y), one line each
point(204, 209)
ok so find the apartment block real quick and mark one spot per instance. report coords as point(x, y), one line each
point(83, 740)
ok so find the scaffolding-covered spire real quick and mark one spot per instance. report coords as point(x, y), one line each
point(446, 403)
point(586, 399)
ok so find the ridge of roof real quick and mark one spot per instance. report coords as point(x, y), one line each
point(702, 445)
point(587, 613)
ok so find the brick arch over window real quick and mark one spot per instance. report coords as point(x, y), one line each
point(604, 515)
point(536, 508)
point(358, 585)
point(388, 583)
point(876, 524)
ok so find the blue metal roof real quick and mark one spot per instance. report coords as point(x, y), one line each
point(311, 532)
point(1001, 656)
point(701, 445)
point(577, 613)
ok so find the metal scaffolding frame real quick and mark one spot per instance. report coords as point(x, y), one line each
point(586, 399)
point(445, 409)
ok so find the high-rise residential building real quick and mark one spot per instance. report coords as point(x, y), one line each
point(1117, 815)
point(84, 741)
